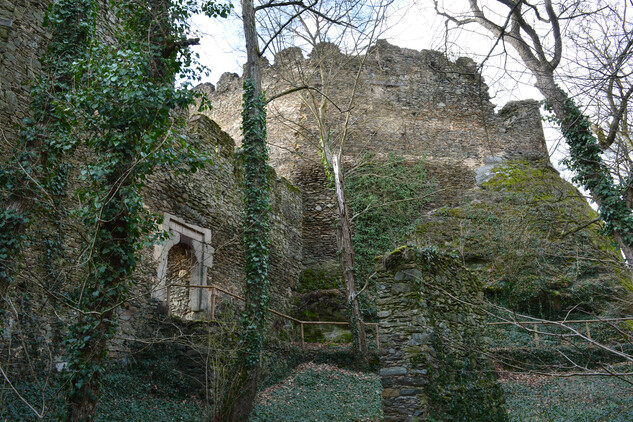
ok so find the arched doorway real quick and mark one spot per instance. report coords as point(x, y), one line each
point(183, 259)
point(182, 267)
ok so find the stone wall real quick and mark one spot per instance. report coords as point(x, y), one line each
point(432, 353)
point(22, 42)
point(410, 103)
point(211, 199)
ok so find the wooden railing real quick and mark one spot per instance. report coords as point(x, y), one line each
point(214, 294)
point(215, 289)
point(535, 324)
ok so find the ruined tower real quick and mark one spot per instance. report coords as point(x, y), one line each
point(414, 104)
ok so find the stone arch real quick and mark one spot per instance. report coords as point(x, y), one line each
point(198, 240)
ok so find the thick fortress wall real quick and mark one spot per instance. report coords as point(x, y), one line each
point(414, 104)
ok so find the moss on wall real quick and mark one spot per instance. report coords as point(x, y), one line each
point(433, 364)
point(527, 235)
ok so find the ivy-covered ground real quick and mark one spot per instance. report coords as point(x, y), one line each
point(539, 398)
point(142, 391)
point(324, 392)
point(321, 393)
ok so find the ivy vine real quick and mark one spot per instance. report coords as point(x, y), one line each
point(591, 172)
point(256, 223)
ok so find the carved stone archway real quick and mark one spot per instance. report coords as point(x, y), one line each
point(199, 239)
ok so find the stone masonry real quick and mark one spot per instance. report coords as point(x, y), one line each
point(211, 200)
point(433, 365)
point(414, 104)
point(22, 42)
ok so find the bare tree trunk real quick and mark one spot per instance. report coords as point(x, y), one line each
point(347, 262)
point(252, 50)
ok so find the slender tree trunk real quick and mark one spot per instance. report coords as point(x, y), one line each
point(347, 262)
point(252, 49)
point(241, 395)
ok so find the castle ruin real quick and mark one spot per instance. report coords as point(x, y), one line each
point(412, 104)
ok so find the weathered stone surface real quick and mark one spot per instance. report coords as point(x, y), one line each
point(433, 363)
point(22, 43)
point(410, 103)
point(212, 199)
point(393, 371)
point(522, 233)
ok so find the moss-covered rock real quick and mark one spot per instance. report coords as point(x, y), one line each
point(320, 297)
point(535, 243)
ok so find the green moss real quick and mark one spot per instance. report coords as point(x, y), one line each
point(290, 186)
point(461, 383)
point(313, 279)
point(522, 236)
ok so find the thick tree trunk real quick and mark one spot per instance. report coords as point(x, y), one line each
point(556, 99)
point(347, 262)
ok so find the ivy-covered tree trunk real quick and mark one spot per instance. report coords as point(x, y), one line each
point(241, 396)
point(117, 240)
point(591, 171)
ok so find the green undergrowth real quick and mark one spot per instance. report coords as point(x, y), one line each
point(321, 393)
point(575, 399)
point(144, 390)
point(281, 360)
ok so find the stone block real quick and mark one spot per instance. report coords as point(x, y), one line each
point(394, 371)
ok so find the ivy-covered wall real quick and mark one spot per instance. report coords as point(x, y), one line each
point(432, 358)
point(22, 43)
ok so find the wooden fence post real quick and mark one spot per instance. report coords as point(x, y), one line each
point(536, 339)
point(377, 340)
point(303, 344)
point(213, 295)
